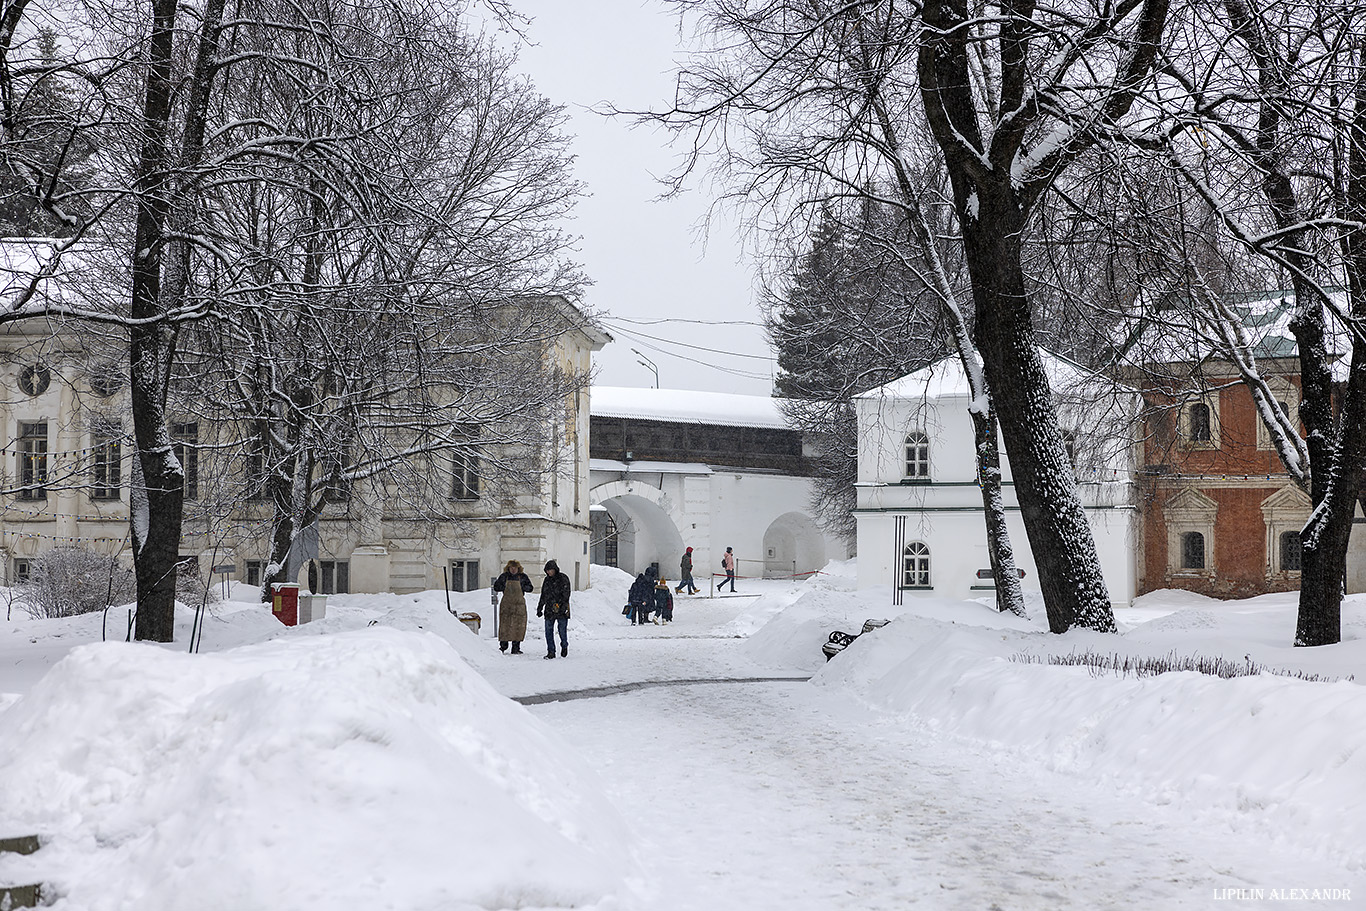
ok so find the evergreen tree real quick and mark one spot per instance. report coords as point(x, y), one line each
point(848, 317)
point(46, 149)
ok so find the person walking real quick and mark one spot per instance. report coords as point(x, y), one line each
point(514, 585)
point(685, 577)
point(554, 604)
point(664, 603)
point(728, 564)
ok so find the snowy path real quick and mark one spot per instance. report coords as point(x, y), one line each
point(781, 795)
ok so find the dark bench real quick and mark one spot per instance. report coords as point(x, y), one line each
point(840, 640)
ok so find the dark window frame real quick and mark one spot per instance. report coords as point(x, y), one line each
point(1290, 552)
point(464, 575)
point(32, 450)
point(106, 470)
point(1200, 423)
point(915, 565)
point(334, 577)
point(185, 443)
point(1191, 559)
point(917, 456)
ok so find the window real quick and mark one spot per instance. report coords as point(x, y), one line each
point(185, 437)
point(23, 572)
point(1192, 550)
point(465, 477)
point(335, 577)
point(1287, 397)
point(1199, 423)
point(255, 569)
point(107, 465)
point(1290, 552)
point(917, 455)
point(256, 471)
point(465, 576)
point(105, 381)
point(35, 380)
point(336, 488)
point(916, 566)
point(33, 461)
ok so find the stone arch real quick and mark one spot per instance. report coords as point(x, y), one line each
point(793, 540)
point(646, 530)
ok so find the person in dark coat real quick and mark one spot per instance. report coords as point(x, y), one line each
point(664, 603)
point(514, 585)
point(641, 598)
point(685, 579)
point(554, 605)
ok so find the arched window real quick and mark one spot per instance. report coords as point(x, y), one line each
point(917, 455)
point(1290, 551)
point(1199, 423)
point(916, 566)
point(1192, 550)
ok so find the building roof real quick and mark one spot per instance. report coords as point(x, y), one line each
point(1179, 335)
point(945, 378)
point(686, 406)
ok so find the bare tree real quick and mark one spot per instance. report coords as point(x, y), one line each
point(168, 98)
point(409, 285)
point(810, 100)
point(1268, 133)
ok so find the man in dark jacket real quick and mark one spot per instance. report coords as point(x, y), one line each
point(685, 577)
point(554, 604)
point(641, 598)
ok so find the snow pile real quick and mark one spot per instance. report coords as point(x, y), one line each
point(365, 769)
point(1274, 751)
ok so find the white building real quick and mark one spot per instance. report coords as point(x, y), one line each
point(672, 469)
point(920, 519)
point(65, 412)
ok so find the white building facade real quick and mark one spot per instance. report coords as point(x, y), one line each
point(921, 529)
point(68, 468)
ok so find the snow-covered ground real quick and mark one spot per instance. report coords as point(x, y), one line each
point(372, 759)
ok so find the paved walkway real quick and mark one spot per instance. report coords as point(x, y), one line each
point(781, 795)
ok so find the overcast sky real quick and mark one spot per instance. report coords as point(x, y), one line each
point(645, 256)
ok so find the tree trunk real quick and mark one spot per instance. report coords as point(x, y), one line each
point(1059, 533)
point(1324, 540)
point(1009, 593)
point(156, 518)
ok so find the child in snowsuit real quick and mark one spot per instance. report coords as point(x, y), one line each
point(664, 603)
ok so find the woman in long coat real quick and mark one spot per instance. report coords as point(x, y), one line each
point(514, 585)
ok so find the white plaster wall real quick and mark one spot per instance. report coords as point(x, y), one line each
point(957, 543)
point(946, 513)
point(713, 511)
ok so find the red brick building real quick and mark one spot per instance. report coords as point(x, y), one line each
point(1221, 516)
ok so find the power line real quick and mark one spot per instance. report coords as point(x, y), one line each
point(747, 374)
point(675, 319)
point(639, 335)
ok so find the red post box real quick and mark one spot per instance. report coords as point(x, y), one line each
point(284, 602)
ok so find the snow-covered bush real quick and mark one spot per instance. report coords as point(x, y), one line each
point(67, 581)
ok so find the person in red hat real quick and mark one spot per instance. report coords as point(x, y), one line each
point(685, 577)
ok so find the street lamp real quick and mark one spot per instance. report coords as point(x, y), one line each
point(646, 362)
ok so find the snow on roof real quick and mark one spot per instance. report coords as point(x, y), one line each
point(1181, 335)
point(945, 378)
point(648, 466)
point(687, 406)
